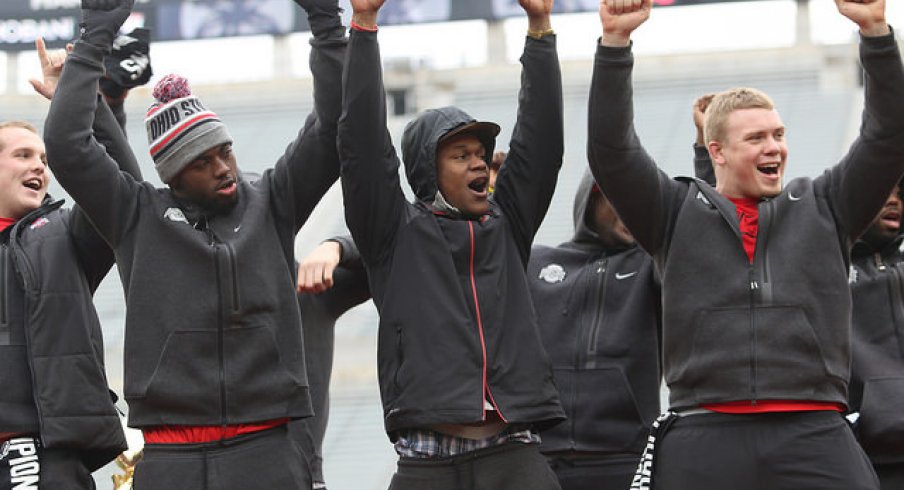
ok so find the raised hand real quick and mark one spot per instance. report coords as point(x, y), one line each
point(620, 18)
point(365, 12)
point(51, 68)
point(537, 13)
point(102, 19)
point(699, 112)
point(869, 15)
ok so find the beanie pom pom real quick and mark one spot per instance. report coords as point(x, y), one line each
point(171, 87)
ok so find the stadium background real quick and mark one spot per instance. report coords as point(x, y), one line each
point(462, 52)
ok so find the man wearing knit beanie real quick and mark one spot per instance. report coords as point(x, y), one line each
point(214, 364)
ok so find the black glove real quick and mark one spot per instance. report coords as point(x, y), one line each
point(101, 20)
point(323, 16)
point(128, 65)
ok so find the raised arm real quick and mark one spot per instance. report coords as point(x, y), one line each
point(627, 174)
point(81, 164)
point(528, 177)
point(863, 179)
point(374, 203)
point(703, 164)
point(94, 252)
point(310, 164)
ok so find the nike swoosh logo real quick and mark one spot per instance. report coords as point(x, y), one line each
point(791, 197)
point(237, 228)
point(620, 276)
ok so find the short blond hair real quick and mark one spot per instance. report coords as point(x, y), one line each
point(17, 124)
point(724, 103)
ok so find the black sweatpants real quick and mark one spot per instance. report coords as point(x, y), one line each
point(511, 466)
point(772, 451)
point(611, 472)
point(891, 476)
point(265, 459)
point(24, 464)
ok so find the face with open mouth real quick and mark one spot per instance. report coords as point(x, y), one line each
point(750, 162)
point(210, 180)
point(23, 173)
point(887, 224)
point(462, 174)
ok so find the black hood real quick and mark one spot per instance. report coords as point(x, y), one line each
point(583, 233)
point(419, 143)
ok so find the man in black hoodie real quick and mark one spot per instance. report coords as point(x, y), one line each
point(214, 364)
point(877, 373)
point(598, 305)
point(464, 379)
point(58, 422)
point(756, 305)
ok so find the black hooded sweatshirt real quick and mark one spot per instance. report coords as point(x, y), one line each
point(779, 328)
point(877, 373)
point(213, 331)
point(598, 308)
point(456, 322)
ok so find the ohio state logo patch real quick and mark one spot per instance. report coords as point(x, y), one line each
point(552, 273)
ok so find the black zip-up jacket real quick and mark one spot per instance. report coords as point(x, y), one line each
point(778, 328)
point(599, 317)
point(456, 322)
point(51, 345)
point(877, 374)
point(213, 331)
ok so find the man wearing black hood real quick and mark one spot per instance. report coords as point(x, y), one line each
point(877, 372)
point(598, 303)
point(464, 379)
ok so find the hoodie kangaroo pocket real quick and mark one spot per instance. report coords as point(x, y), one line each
point(881, 420)
point(742, 354)
point(258, 383)
point(602, 411)
point(185, 386)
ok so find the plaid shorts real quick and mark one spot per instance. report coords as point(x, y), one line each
point(422, 443)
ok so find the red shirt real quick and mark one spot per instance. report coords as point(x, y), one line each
point(748, 218)
point(193, 434)
point(6, 223)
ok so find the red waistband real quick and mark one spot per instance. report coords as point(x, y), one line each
point(767, 406)
point(192, 434)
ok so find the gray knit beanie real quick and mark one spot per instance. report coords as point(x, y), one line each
point(179, 127)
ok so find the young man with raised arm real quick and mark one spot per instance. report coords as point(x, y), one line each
point(756, 304)
point(214, 364)
point(464, 379)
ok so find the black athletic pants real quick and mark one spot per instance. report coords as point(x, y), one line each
point(891, 476)
point(611, 472)
point(772, 451)
point(24, 464)
point(510, 466)
point(266, 459)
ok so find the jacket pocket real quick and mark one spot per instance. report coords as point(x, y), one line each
point(258, 383)
point(881, 422)
point(743, 354)
point(601, 409)
point(185, 386)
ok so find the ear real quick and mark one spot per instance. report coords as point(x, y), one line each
point(715, 153)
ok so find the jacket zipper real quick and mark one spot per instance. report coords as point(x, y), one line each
point(5, 328)
point(215, 245)
point(754, 289)
point(483, 344)
point(599, 295)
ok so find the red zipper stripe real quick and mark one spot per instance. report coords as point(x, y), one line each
point(483, 345)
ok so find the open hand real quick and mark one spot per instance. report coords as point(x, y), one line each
point(51, 68)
